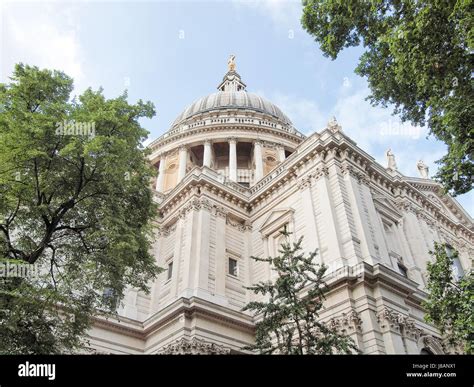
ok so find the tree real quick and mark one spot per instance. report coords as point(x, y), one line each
point(450, 302)
point(289, 318)
point(75, 200)
point(418, 56)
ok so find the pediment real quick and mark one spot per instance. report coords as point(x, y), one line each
point(386, 207)
point(445, 203)
point(276, 219)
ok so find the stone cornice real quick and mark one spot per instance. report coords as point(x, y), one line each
point(252, 129)
point(190, 307)
point(323, 149)
point(376, 275)
point(132, 329)
point(196, 182)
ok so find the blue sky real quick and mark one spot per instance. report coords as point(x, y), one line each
point(172, 53)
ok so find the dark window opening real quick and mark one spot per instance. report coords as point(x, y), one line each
point(233, 267)
point(403, 270)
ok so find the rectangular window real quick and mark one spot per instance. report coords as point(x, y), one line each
point(457, 269)
point(110, 298)
point(170, 270)
point(233, 267)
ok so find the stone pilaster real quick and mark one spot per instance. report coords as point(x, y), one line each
point(221, 256)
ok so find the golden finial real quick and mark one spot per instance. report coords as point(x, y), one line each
point(231, 63)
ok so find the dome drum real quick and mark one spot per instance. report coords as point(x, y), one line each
point(238, 134)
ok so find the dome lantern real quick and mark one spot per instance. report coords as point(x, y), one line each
point(231, 81)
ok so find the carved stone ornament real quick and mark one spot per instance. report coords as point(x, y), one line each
point(390, 320)
point(193, 346)
point(346, 323)
point(235, 224)
point(304, 182)
point(432, 343)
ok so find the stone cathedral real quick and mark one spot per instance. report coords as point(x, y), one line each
point(232, 171)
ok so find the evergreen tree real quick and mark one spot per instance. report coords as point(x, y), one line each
point(290, 315)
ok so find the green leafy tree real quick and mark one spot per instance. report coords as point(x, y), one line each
point(75, 199)
point(418, 57)
point(289, 316)
point(450, 303)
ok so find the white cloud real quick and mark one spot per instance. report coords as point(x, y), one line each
point(43, 36)
point(305, 114)
point(375, 129)
point(286, 13)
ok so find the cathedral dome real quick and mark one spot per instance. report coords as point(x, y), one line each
point(238, 135)
point(232, 99)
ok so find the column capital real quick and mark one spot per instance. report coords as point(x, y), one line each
point(270, 144)
point(232, 140)
point(258, 142)
point(208, 141)
point(162, 155)
point(183, 148)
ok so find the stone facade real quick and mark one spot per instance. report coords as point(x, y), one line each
point(232, 172)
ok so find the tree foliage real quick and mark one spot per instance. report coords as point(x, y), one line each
point(419, 57)
point(289, 315)
point(75, 199)
point(450, 303)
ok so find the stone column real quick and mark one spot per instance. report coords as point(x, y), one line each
point(161, 174)
point(257, 154)
point(183, 158)
point(232, 159)
point(281, 154)
point(207, 153)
